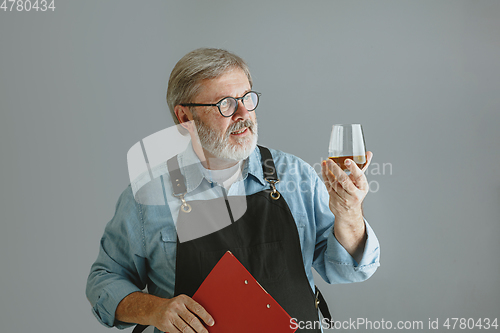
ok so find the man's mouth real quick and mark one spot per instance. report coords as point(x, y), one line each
point(239, 132)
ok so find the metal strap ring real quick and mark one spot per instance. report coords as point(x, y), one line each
point(275, 195)
point(186, 208)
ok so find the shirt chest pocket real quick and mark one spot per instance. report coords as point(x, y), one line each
point(169, 240)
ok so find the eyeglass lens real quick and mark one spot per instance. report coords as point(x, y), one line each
point(229, 105)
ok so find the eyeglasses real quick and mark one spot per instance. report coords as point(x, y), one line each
point(228, 105)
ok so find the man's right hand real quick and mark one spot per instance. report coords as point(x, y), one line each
point(177, 314)
point(181, 314)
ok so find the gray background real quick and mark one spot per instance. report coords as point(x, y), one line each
point(81, 85)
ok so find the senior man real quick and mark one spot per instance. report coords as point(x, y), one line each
point(282, 234)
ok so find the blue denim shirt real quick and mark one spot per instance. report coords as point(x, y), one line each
point(138, 248)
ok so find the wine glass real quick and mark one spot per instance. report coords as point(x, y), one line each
point(347, 141)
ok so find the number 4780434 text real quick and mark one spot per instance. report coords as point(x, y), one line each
point(27, 5)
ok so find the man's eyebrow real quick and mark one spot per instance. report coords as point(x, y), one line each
point(220, 97)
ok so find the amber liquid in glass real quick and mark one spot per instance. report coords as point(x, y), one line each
point(360, 161)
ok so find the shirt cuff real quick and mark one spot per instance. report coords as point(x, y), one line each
point(338, 254)
point(105, 308)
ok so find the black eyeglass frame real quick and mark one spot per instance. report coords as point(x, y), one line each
point(235, 98)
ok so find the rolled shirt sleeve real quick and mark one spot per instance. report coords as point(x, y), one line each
point(347, 269)
point(331, 259)
point(120, 268)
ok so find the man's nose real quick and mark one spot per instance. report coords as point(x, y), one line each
point(241, 112)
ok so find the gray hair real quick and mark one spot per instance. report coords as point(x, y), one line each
point(198, 65)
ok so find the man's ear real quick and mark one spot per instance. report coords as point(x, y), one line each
point(184, 116)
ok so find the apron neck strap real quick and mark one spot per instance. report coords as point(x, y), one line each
point(176, 177)
point(268, 164)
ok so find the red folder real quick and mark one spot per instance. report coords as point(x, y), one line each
point(238, 303)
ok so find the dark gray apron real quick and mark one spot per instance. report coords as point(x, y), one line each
point(265, 240)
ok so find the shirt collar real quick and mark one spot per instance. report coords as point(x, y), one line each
point(192, 169)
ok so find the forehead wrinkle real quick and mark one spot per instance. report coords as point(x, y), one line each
point(221, 95)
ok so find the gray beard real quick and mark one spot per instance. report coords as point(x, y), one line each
point(218, 145)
